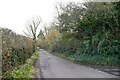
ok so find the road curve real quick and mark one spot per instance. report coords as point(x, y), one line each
point(51, 66)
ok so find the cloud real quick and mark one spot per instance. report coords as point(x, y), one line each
point(15, 13)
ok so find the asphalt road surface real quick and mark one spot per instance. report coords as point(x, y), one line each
point(50, 66)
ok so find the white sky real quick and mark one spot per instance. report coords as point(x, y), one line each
point(15, 13)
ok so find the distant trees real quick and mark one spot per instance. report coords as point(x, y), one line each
point(47, 37)
point(32, 28)
point(41, 39)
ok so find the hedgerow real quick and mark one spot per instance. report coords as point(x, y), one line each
point(16, 49)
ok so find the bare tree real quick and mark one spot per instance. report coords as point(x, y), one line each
point(32, 28)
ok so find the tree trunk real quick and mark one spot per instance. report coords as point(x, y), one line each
point(34, 45)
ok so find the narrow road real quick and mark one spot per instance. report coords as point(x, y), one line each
point(50, 66)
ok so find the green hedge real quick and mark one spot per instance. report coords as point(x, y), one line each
point(16, 49)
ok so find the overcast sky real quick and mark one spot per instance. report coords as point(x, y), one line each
point(15, 13)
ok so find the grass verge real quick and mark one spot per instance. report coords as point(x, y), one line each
point(23, 71)
point(88, 59)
